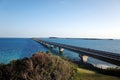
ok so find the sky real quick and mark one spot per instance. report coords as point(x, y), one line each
point(60, 18)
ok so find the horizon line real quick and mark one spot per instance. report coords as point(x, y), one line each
point(64, 37)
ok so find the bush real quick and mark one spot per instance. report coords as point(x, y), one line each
point(39, 67)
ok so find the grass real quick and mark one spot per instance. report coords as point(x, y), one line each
point(84, 74)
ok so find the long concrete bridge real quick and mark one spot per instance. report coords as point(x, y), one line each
point(109, 57)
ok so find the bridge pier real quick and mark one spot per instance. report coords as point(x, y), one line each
point(40, 41)
point(46, 45)
point(61, 50)
point(84, 58)
point(52, 46)
point(43, 43)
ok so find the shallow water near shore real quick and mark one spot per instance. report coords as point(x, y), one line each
point(17, 48)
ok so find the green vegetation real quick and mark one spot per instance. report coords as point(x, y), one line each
point(40, 66)
point(84, 74)
point(43, 66)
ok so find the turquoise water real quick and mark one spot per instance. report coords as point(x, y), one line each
point(17, 48)
point(104, 45)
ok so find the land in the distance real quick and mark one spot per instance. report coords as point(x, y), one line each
point(80, 38)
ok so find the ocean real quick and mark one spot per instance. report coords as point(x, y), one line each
point(18, 48)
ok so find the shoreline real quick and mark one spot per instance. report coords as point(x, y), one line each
point(107, 71)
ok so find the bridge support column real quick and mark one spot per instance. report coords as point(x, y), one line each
point(52, 46)
point(61, 50)
point(43, 43)
point(46, 45)
point(84, 58)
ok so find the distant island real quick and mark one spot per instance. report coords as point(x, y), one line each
point(53, 37)
point(80, 38)
point(91, 39)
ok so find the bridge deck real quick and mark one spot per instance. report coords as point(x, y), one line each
point(110, 57)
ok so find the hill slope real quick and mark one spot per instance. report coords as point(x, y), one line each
point(42, 66)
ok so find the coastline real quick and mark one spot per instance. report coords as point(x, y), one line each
point(76, 69)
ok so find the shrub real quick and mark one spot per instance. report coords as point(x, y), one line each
point(39, 67)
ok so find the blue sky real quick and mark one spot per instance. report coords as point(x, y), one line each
point(60, 18)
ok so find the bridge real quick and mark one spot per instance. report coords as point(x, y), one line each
point(109, 57)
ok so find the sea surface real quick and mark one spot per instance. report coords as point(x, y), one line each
point(18, 48)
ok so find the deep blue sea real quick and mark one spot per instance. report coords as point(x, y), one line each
point(17, 48)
